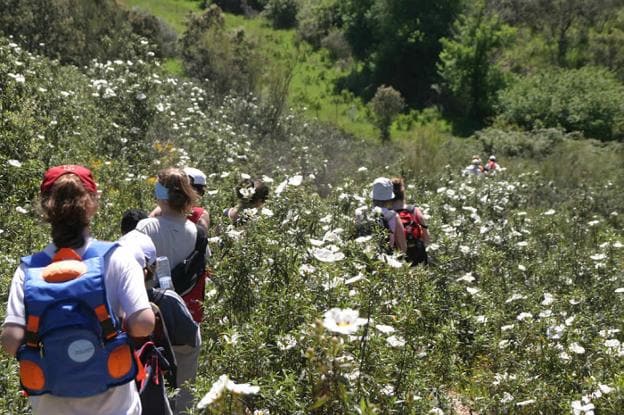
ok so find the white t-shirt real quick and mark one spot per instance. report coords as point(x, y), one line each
point(125, 291)
point(173, 237)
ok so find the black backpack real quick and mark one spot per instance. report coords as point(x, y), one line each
point(186, 274)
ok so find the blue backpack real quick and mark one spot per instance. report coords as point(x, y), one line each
point(73, 343)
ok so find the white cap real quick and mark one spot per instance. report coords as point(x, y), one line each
point(492, 157)
point(198, 176)
point(382, 189)
point(141, 246)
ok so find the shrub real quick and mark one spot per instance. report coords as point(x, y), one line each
point(282, 13)
point(386, 105)
point(227, 59)
point(315, 20)
point(535, 144)
point(590, 100)
point(337, 45)
point(155, 30)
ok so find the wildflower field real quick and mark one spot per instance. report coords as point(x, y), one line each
point(519, 312)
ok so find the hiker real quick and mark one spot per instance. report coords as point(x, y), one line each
point(383, 195)
point(475, 168)
point(177, 238)
point(198, 214)
point(414, 225)
point(68, 299)
point(130, 219)
point(492, 167)
point(251, 194)
point(178, 330)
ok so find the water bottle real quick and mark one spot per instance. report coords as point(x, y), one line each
point(163, 273)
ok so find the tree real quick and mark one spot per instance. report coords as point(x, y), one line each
point(385, 106)
point(564, 23)
point(227, 59)
point(587, 100)
point(467, 62)
point(399, 42)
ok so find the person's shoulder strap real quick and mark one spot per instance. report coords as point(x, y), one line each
point(36, 260)
point(155, 295)
point(201, 240)
point(98, 249)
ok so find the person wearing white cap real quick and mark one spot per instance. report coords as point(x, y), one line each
point(492, 166)
point(383, 195)
point(475, 168)
point(198, 214)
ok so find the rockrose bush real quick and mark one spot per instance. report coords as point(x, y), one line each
point(518, 312)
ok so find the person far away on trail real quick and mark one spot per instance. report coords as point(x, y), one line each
point(185, 245)
point(65, 309)
point(475, 168)
point(251, 194)
point(414, 225)
point(175, 328)
point(382, 196)
point(492, 167)
point(198, 214)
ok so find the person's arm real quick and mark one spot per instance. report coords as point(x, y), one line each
point(11, 337)
point(141, 323)
point(155, 213)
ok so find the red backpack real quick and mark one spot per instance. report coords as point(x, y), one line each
point(414, 234)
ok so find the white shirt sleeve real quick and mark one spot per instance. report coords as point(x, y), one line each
point(16, 312)
point(125, 284)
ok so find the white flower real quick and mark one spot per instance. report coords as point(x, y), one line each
point(316, 242)
point(619, 290)
point(384, 329)
point(245, 176)
point(612, 343)
point(548, 299)
point(564, 356)
point(234, 234)
point(247, 193)
point(281, 187)
point(388, 390)
point(579, 408)
point(267, 179)
point(525, 403)
point(507, 327)
point(577, 348)
point(481, 319)
point(261, 412)
point(222, 384)
point(14, 163)
point(515, 297)
point(160, 107)
point(467, 277)
point(361, 169)
point(355, 279)
point(522, 244)
point(472, 291)
point(395, 341)
point(363, 239)
point(266, 212)
point(287, 342)
point(343, 321)
point(524, 316)
point(598, 257)
point(507, 397)
point(549, 212)
point(521, 267)
point(618, 244)
point(391, 260)
point(141, 96)
point(214, 393)
point(328, 254)
point(20, 209)
point(295, 180)
point(436, 411)
point(555, 332)
point(605, 388)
